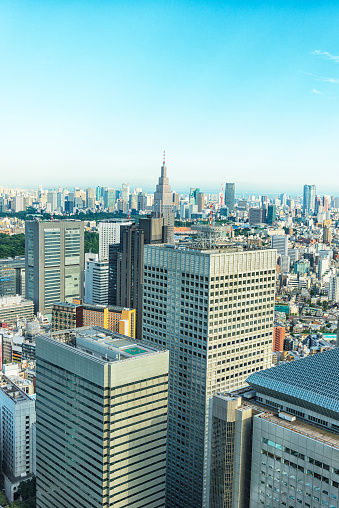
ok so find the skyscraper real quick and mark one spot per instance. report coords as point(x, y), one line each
point(101, 421)
point(109, 233)
point(309, 198)
point(54, 262)
point(96, 280)
point(230, 196)
point(163, 203)
point(213, 309)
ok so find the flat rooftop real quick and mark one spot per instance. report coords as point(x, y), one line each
point(104, 344)
point(303, 428)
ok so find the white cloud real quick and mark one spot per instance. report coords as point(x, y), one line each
point(328, 55)
point(316, 91)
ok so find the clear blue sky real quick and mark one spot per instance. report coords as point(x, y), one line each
point(93, 91)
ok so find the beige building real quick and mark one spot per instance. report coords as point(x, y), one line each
point(104, 443)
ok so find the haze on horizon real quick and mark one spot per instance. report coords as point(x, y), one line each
point(92, 92)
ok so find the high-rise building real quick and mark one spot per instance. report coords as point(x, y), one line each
point(54, 254)
point(327, 234)
point(90, 198)
point(230, 196)
point(104, 443)
point(201, 201)
point(96, 280)
point(213, 309)
point(271, 214)
point(125, 192)
point(126, 264)
point(309, 198)
point(278, 338)
point(163, 204)
point(109, 233)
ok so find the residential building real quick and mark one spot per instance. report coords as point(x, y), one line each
point(110, 450)
point(17, 418)
point(54, 262)
point(278, 338)
point(213, 309)
point(327, 234)
point(230, 196)
point(66, 315)
point(13, 308)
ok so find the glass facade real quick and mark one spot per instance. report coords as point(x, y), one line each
point(52, 247)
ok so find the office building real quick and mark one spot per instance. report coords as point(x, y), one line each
point(17, 418)
point(200, 201)
point(257, 216)
point(96, 280)
point(309, 199)
point(278, 338)
point(230, 196)
point(109, 233)
point(277, 440)
point(12, 276)
point(110, 450)
point(126, 264)
point(280, 243)
point(271, 214)
point(54, 262)
point(163, 204)
point(13, 308)
point(213, 309)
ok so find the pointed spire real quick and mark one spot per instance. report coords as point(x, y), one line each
point(163, 162)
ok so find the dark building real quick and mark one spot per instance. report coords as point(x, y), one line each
point(230, 196)
point(126, 263)
point(271, 214)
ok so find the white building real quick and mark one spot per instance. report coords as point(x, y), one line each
point(96, 280)
point(280, 243)
point(109, 233)
point(17, 419)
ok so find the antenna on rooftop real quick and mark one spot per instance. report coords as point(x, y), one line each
point(163, 162)
point(222, 194)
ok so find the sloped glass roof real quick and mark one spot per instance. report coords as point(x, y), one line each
point(311, 381)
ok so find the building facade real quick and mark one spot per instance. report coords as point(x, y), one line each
point(96, 280)
point(213, 309)
point(309, 198)
point(109, 233)
point(54, 253)
point(12, 276)
point(230, 196)
point(111, 448)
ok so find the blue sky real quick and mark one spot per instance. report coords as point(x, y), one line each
point(92, 92)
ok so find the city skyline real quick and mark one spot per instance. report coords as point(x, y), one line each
point(92, 91)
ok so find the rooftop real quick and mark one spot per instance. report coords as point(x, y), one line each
point(103, 344)
point(313, 381)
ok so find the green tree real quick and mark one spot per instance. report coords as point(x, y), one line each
point(91, 242)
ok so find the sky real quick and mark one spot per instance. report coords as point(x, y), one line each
point(92, 92)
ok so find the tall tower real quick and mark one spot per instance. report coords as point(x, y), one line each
point(163, 203)
point(309, 198)
point(230, 196)
point(54, 262)
point(213, 309)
